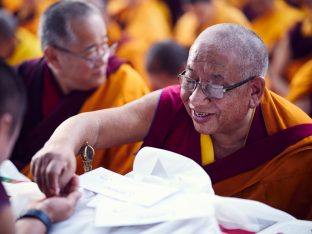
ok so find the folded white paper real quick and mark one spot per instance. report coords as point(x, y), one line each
point(125, 189)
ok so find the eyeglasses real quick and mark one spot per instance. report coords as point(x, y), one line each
point(106, 52)
point(210, 90)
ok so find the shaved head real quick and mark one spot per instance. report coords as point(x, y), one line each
point(243, 45)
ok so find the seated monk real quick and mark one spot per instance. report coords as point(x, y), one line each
point(163, 61)
point(128, 48)
point(16, 43)
point(201, 14)
point(252, 143)
point(77, 74)
point(271, 19)
point(28, 12)
point(300, 89)
point(146, 20)
point(292, 51)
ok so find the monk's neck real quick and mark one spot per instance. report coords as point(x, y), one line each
point(227, 143)
point(61, 83)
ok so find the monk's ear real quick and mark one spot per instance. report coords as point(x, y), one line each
point(52, 57)
point(257, 89)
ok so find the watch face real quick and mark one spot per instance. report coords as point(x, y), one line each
point(87, 153)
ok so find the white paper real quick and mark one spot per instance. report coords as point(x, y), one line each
point(110, 212)
point(174, 170)
point(7, 169)
point(119, 187)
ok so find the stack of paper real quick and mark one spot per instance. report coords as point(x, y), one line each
point(155, 191)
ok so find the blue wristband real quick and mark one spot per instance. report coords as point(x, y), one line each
point(38, 214)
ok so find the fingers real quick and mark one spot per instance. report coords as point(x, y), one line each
point(73, 197)
point(74, 183)
point(46, 170)
point(52, 169)
point(52, 178)
point(35, 167)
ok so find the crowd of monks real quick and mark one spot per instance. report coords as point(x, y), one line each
point(135, 25)
point(148, 42)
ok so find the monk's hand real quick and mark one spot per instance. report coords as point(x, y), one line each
point(53, 167)
point(59, 208)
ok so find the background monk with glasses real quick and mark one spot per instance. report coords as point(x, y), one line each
point(253, 143)
point(78, 73)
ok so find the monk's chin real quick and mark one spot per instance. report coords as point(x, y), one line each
point(200, 128)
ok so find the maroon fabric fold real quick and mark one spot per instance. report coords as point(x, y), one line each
point(255, 154)
point(172, 128)
point(113, 64)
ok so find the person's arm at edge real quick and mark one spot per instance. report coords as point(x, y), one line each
point(56, 208)
point(55, 163)
point(8, 225)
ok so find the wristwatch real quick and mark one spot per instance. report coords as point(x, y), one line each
point(87, 154)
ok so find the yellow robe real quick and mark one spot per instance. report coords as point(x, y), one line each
point(273, 25)
point(146, 21)
point(130, 49)
point(237, 3)
point(28, 47)
point(19, 5)
point(283, 182)
point(301, 84)
point(122, 86)
point(188, 28)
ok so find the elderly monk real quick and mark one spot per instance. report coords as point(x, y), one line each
point(247, 138)
point(77, 74)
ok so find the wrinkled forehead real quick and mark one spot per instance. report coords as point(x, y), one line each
point(209, 55)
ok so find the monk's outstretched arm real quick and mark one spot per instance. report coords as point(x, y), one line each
point(54, 165)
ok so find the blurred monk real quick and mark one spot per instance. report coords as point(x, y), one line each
point(201, 14)
point(77, 74)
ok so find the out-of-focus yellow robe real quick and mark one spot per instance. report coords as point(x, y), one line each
point(146, 21)
point(188, 28)
point(28, 47)
point(301, 84)
point(273, 25)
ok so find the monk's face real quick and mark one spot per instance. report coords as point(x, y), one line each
point(85, 68)
point(210, 63)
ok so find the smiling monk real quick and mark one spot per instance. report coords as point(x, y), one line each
point(253, 143)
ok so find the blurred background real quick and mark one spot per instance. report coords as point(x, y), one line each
point(154, 36)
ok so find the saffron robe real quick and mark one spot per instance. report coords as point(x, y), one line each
point(27, 48)
point(301, 84)
point(130, 49)
point(273, 167)
point(274, 24)
point(123, 85)
point(145, 21)
point(188, 28)
point(35, 12)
